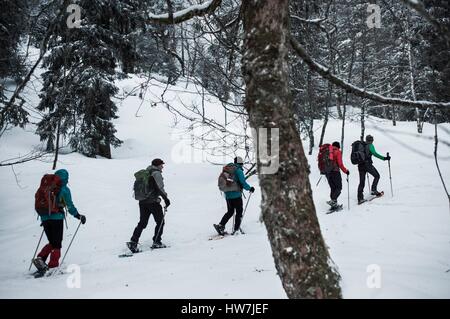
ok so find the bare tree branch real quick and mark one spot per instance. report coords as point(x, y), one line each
point(326, 74)
point(33, 155)
point(436, 141)
point(185, 14)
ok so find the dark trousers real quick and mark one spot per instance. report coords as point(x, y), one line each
point(145, 210)
point(54, 231)
point(363, 170)
point(232, 205)
point(335, 182)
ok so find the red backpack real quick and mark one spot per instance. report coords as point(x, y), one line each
point(325, 159)
point(47, 194)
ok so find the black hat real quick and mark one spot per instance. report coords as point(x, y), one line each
point(337, 144)
point(157, 162)
point(369, 138)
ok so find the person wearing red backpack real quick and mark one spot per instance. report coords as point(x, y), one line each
point(334, 176)
point(53, 224)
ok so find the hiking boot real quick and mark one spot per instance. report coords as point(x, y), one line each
point(39, 273)
point(376, 193)
point(132, 246)
point(158, 244)
point(332, 202)
point(40, 264)
point(220, 229)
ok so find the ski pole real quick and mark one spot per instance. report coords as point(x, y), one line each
point(234, 221)
point(34, 255)
point(65, 254)
point(390, 176)
point(162, 223)
point(319, 180)
point(65, 219)
point(245, 209)
point(348, 194)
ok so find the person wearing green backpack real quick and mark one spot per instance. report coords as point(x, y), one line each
point(366, 166)
point(148, 188)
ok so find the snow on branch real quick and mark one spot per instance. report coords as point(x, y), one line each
point(420, 8)
point(313, 21)
point(326, 73)
point(196, 10)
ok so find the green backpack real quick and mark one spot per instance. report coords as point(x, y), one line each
point(141, 185)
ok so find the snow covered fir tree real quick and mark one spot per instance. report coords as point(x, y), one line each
point(324, 123)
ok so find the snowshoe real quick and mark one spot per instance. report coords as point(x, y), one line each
point(157, 245)
point(372, 197)
point(39, 273)
point(335, 208)
point(237, 231)
point(377, 193)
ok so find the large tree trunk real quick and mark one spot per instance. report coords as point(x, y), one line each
point(288, 211)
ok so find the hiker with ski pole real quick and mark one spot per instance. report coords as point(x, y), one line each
point(148, 188)
point(330, 163)
point(232, 181)
point(362, 156)
point(50, 199)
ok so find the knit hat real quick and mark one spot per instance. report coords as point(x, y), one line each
point(238, 160)
point(157, 162)
point(369, 138)
point(337, 144)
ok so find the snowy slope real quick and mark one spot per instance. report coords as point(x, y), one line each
point(407, 236)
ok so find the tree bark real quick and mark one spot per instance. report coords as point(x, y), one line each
point(288, 211)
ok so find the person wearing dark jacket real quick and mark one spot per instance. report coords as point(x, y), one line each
point(234, 198)
point(151, 205)
point(367, 167)
point(54, 225)
point(334, 177)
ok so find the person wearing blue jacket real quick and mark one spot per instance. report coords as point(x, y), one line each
point(234, 198)
point(54, 224)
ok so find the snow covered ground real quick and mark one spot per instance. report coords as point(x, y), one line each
point(392, 247)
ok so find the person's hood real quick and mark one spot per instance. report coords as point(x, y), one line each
point(153, 167)
point(237, 165)
point(64, 175)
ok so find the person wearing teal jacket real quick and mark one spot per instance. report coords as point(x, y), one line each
point(234, 198)
point(367, 167)
point(54, 224)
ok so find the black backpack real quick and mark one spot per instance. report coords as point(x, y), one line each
point(359, 152)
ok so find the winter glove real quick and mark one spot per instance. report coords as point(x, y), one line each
point(348, 172)
point(167, 202)
point(82, 218)
point(387, 158)
point(252, 189)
